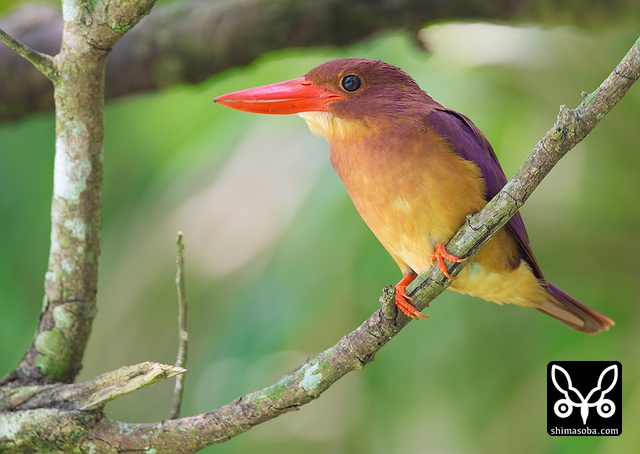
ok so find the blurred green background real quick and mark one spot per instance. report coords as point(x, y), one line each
point(280, 266)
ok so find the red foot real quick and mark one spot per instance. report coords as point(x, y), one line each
point(402, 299)
point(439, 254)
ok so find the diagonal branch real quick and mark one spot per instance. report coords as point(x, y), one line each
point(358, 348)
point(571, 127)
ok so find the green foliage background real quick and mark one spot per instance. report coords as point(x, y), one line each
point(280, 266)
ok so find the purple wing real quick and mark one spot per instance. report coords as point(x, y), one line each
point(469, 142)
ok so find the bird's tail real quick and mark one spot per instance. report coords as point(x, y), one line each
point(568, 310)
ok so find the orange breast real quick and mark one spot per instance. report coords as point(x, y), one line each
point(412, 192)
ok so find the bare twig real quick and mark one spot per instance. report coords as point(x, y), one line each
point(183, 343)
point(89, 394)
point(43, 62)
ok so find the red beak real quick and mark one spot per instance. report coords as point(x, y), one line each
point(289, 97)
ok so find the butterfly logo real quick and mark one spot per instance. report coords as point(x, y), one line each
point(574, 398)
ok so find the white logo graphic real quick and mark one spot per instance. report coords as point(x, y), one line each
point(573, 398)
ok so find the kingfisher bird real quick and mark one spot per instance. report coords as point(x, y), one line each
point(414, 170)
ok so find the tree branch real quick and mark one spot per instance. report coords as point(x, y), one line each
point(209, 37)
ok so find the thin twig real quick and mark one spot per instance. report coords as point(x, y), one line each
point(182, 328)
point(42, 62)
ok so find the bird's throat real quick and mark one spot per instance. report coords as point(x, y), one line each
point(327, 125)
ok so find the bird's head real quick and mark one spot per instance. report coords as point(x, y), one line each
point(338, 96)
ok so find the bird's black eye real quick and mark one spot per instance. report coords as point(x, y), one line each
point(351, 82)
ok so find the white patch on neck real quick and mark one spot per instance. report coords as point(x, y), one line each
point(325, 124)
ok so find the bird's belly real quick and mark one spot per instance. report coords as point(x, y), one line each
point(409, 230)
point(516, 286)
